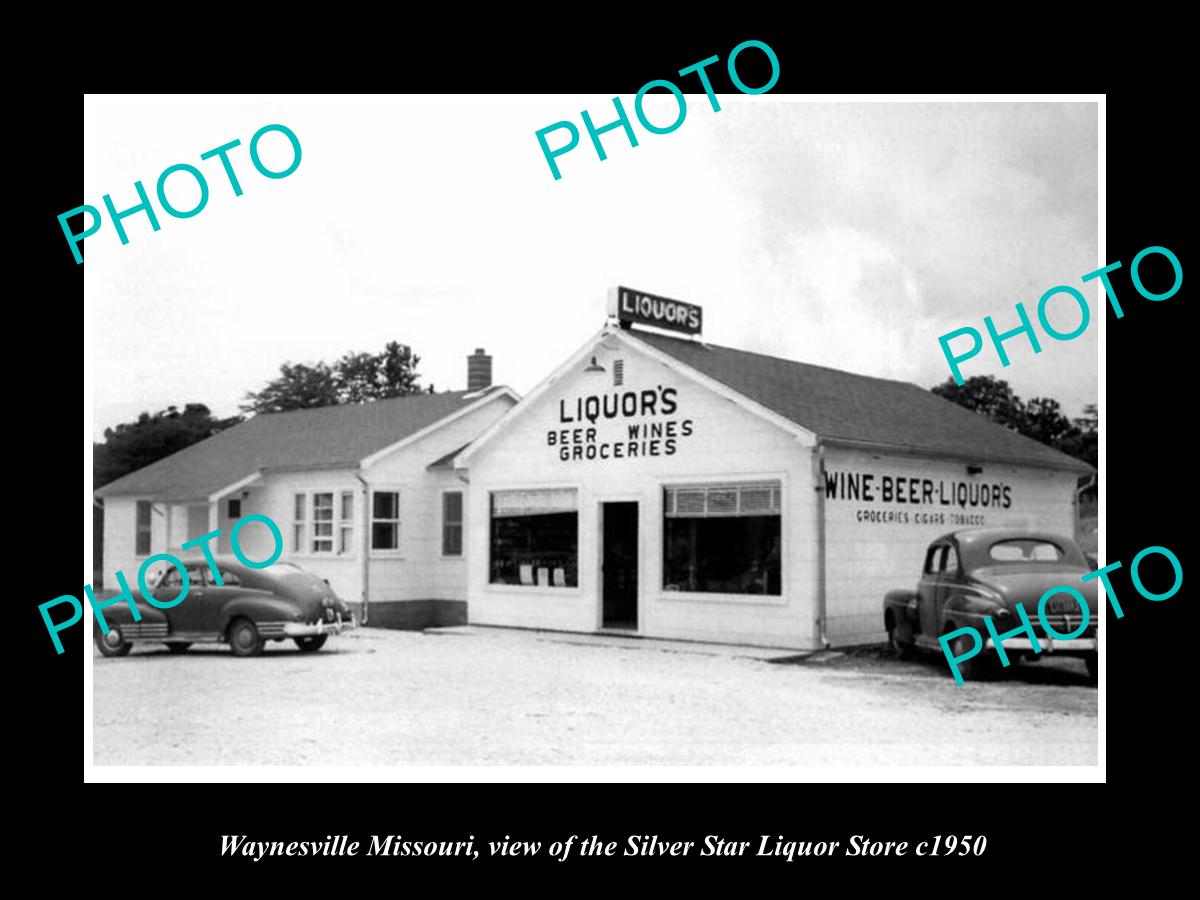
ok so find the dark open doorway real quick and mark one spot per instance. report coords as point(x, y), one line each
point(619, 574)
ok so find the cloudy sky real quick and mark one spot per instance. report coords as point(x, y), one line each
point(850, 235)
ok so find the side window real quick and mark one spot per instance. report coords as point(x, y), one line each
point(142, 534)
point(950, 560)
point(933, 559)
point(172, 579)
point(228, 579)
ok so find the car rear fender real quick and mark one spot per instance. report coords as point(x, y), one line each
point(260, 606)
point(969, 605)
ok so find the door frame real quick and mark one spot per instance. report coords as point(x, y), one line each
point(600, 500)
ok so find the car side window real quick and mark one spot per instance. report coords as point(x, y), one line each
point(935, 562)
point(950, 560)
point(229, 578)
point(172, 578)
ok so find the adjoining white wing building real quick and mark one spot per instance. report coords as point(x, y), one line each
point(364, 496)
point(666, 487)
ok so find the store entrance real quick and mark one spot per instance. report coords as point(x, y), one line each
point(619, 565)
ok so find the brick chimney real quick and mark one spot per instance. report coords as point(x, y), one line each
point(479, 370)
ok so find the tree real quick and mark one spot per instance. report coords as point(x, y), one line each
point(132, 445)
point(1044, 421)
point(355, 378)
point(1040, 418)
point(299, 386)
point(398, 370)
point(993, 397)
point(1085, 444)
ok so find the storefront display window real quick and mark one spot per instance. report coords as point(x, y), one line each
point(722, 538)
point(535, 538)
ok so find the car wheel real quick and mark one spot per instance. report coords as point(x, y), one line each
point(113, 643)
point(900, 649)
point(244, 638)
point(1092, 661)
point(311, 644)
point(978, 668)
point(177, 647)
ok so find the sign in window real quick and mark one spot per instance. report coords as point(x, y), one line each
point(535, 538)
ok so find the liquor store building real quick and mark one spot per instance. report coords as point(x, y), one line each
point(666, 487)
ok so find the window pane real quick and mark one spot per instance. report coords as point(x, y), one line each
point(387, 505)
point(452, 540)
point(1027, 550)
point(141, 535)
point(347, 505)
point(722, 554)
point(325, 546)
point(345, 538)
point(322, 529)
point(298, 538)
point(530, 503)
point(452, 507)
point(385, 536)
point(723, 502)
point(522, 546)
point(298, 508)
point(323, 507)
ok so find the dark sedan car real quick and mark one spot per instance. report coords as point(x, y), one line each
point(248, 608)
point(986, 572)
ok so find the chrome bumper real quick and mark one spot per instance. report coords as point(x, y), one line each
point(1048, 644)
point(303, 629)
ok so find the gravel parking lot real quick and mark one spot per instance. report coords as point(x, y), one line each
point(496, 696)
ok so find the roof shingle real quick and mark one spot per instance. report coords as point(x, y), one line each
point(322, 438)
point(842, 406)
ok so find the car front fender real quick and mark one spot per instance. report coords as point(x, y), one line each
point(120, 613)
point(905, 605)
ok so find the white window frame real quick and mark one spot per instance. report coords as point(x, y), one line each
point(783, 598)
point(461, 523)
point(299, 533)
point(583, 572)
point(306, 524)
point(345, 524)
point(148, 528)
point(390, 552)
point(313, 537)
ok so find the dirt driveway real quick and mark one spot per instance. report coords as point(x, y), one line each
point(479, 696)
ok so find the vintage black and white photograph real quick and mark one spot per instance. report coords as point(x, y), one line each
point(467, 431)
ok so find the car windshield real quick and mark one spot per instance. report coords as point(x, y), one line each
point(1025, 550)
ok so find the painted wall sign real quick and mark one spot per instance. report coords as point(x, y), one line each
point(619, 425)
point(630, 305)
point(933, 495)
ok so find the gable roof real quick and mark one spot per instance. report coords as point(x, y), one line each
point(324, 438)
point(841, 407)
